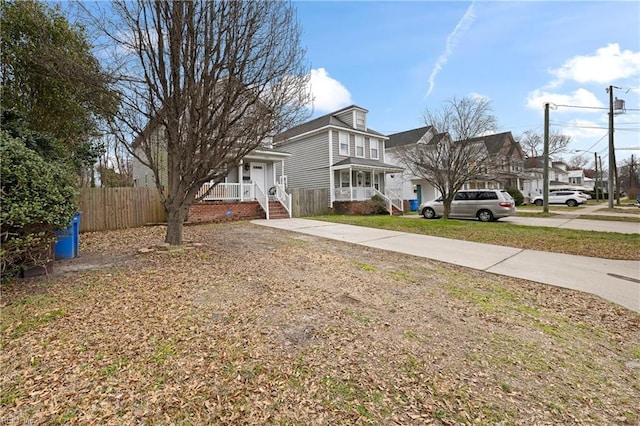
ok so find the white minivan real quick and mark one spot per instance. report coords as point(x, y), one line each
point(486, 205)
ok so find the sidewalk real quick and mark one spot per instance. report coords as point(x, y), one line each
point(615, 280)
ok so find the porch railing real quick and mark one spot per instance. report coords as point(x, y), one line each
point(284, 198)
point(262, 199)
point(353, 194)
point(386, 199)
point(228, 191)
point(396, 200)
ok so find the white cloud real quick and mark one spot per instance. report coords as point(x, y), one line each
point(452, 39)
point(476, 95)
point(580, 97)
point(607, 65)
point(328, 94)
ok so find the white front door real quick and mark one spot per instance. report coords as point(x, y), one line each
point(259, 175)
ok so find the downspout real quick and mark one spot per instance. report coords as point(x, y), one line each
point(332, 196)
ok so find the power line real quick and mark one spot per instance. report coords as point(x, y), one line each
point(565, 124)
point(591, 107)
point(579, 106)
point(597, 142)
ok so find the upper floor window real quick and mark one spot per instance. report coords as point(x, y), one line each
point(360, 120)
point(344, 143)
point(373, 144)
point(359, 146)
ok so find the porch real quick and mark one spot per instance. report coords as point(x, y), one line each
point(274, 200)
point(357, 179)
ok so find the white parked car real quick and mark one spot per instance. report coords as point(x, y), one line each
point(486, 205)
point(570, 198)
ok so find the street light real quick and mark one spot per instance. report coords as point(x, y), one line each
point(595, 160)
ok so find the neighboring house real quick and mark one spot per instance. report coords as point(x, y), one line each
point(253, 189)
point(559, 177)
point(410, 187)
point(340, 153)
point(576, 177)
point(503, 165)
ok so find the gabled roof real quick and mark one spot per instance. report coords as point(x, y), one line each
point(407, 137)
point(494, 142)
point(330, 119)
point(437, 138)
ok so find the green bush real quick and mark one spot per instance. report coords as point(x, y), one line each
point(37, 198)
point(379, 205)
point(516, 195)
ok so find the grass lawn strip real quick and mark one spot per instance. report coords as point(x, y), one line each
point(606, 245)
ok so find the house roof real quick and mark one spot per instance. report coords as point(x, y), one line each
point(407, 137)
point(366, 163)
point(267, 154)
point(495, 142)
point(330, 119)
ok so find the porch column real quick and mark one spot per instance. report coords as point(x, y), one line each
point(350, 184)
point(240, 179)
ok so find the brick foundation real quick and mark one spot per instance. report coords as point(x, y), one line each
point(218, 211)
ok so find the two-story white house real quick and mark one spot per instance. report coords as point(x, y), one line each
point(502, 167)
point(559, 177)
point(341, 153)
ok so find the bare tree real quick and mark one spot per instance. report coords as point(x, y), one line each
point(451, 158)
point(577, 162)
point(210, 81)
point(533, 143)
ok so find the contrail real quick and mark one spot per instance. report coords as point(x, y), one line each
point(452, 39)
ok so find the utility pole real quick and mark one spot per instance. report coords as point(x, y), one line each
point(545, 172)
point(601, 178)
point(612, 160)
point(595, 161)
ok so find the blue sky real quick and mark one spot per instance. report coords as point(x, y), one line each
point(398, 58)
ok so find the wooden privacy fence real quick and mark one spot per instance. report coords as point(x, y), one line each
point(116, 208)
point(309, 202)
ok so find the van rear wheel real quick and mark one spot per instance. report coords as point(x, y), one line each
point(485, 216)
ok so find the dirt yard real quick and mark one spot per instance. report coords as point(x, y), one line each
point(252, 325)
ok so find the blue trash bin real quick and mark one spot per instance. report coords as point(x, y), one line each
point(413, 205)
point(67, 240)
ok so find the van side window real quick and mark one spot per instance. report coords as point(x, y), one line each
point(488, 195)
point(460, 196)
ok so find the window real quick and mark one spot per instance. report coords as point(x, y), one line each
point(344, 179)
point(487, 195)
point(373, 144)
point(360, 120)
point(344, 143)
point(359, 146)
point(376, 182)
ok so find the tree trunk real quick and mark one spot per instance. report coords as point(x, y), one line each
point(175, 220)
point(446, 209)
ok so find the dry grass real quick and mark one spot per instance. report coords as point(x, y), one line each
point(261, 326)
